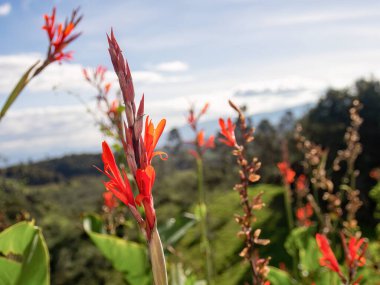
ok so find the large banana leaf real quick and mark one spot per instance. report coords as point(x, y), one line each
point(129, 258)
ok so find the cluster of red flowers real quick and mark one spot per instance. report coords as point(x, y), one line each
point(287, 173)
point(228, 132)
point(354, 253)
point(139, 150)
point(97, 79)
point(60, 35)
point(201, 143)
point(304, 214)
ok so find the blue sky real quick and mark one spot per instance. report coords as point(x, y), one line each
point(268, 54)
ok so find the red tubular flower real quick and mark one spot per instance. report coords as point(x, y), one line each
point(355, 253)
point(151, 137)
point(304, 213)
point(109, 200)
point(114, 107)
point(301, 183)
point(228, 132)
point(145, 180)
point(287, 173)
point(200, 138)
point(328, 259)
point(59, 35)
point(118, 184)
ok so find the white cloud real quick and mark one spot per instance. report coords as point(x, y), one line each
point(5, 9)
point(319, 17)
point(50, 131)
point(69, 76)
point(172, 66)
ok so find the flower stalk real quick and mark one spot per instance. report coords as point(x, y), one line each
point(201, 145)
point(60, 36)
point(248, 174)
point(139, 148)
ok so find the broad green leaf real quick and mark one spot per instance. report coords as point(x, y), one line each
point(25, 243)
point(325, 276)
point(17, 90)
point(301, 244)
point(279, 277)
point(9, 271)
point(127, 257)
point(175, 228)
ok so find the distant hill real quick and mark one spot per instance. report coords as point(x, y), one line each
point(54, 170)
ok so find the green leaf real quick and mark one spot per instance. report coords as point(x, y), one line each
point(200, 211)
point(10, 270)
point(175, 228)
point(127, 257)
point(301, 244)
point(28, 256)
point(279, 277)
point(179, 277)
point(17, 90)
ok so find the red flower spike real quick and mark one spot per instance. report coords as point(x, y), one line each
point(118, 184)
point(328, 259)
point(356, 252)
point(228, 132)
point(151, 137)
point(59, 35)
point(123, 73)
point(109, 200)
point(287, 173)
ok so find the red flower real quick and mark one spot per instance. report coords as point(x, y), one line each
point(201, 140)
point(287, 173)
point(107, 88)
point(114, 107)
point(328, 259)
point(301, 183)
point(59, 35)
point(109, 200)
point(304, 213)
point(152, 135)
point(145, 180)
point(118, 184)
point(355, 254)
point(228, 132)
point(375, 174)
point(192, 119)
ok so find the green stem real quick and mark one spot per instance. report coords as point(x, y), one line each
point(157, 258)
point(205, 244)
point(288, 207)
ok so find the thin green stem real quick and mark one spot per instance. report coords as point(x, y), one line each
point(288, 207)
point(205, 244)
